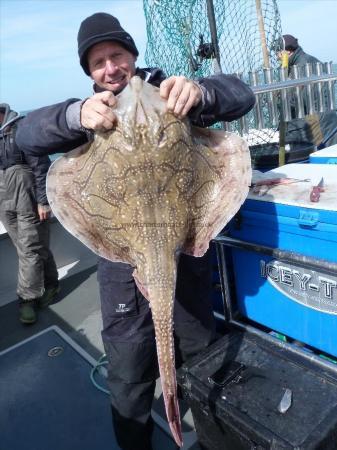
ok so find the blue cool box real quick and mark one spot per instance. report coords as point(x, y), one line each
point(289, 298)
point(326, 156)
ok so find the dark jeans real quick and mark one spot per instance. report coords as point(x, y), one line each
point(128, 337)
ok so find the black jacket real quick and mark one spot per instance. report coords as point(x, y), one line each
point(300, 58)
point(299, 132)
point(46, 131)
point(11, 155)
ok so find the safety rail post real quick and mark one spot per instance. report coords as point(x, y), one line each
point(331, 87)
point(298, 96)
point(319, 71)
point(309, 87)
point(268, 79)
point(253, 78)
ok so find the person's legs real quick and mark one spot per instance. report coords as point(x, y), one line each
point(23, 225)
point(131, 395)
point(50, 269)
point(129, 343)
point(19, 215)
point(51, 283)
point(31, 268)
point(32, 238)
point(22, 229)
point(194, 322)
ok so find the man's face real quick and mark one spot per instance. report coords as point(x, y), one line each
point(111, 66)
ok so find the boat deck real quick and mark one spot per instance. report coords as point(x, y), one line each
point(77, 314)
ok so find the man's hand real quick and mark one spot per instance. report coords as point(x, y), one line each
point(181, 95)
point(96, 113)
point(44, 211)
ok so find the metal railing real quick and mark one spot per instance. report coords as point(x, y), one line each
point(311, 90)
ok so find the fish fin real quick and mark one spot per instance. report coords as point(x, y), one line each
point(173, 416)
point(66, 181)
point(224, 168)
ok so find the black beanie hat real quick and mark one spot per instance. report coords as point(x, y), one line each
point(101, 27)
point(290, 42)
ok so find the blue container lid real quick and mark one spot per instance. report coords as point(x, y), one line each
point(329, 152)
point(326, 155)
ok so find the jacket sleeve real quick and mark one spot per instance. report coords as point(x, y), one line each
point(226, 98)
point(45, 131)
point(40, 166)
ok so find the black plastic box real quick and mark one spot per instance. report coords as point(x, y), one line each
point(235, 390)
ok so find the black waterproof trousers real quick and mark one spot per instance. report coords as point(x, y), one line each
point(128, 337)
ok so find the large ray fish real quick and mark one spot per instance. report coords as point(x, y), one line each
point(145, 192)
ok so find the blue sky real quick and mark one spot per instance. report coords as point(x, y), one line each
point(39, 62)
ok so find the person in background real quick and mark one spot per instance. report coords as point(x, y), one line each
point(315, 128)
point(24, 212)
point(108, 55)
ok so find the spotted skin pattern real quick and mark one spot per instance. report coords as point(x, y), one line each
point(145, 192)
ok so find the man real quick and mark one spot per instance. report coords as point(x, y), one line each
point(108, 55)
point(296, 56)
point(24, 212)
point(316, 128)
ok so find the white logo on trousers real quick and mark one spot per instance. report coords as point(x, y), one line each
point(122, 308)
